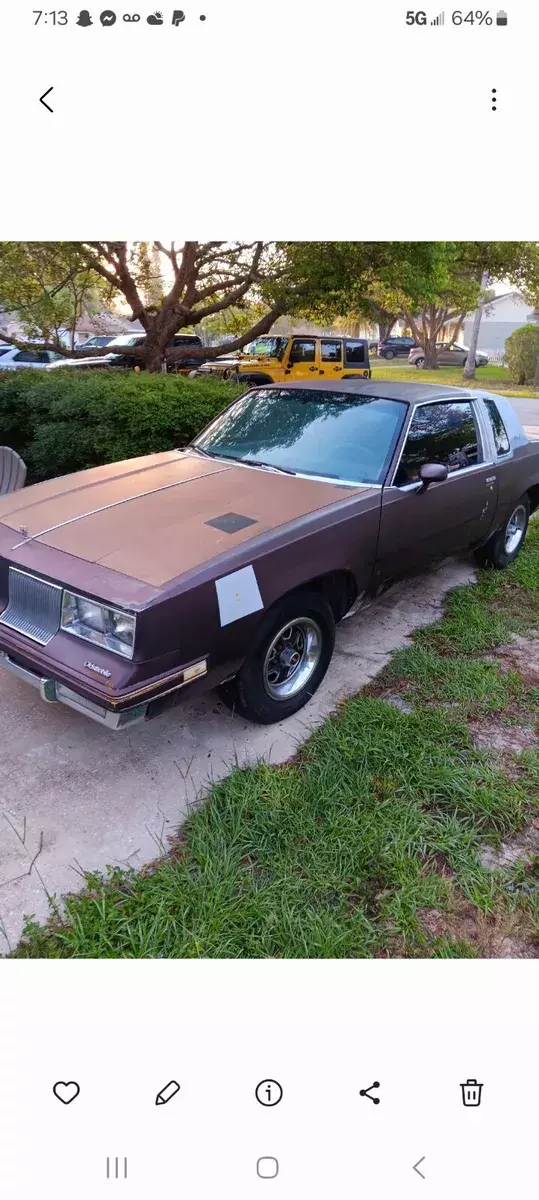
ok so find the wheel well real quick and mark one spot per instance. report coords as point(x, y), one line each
point(255, 379)
point(533, 494)
point(339, 589)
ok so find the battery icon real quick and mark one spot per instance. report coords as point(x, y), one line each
point(501, 17)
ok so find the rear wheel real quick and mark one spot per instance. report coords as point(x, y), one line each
point(389, 353)
point(287, 662)
point(419, 362)
point(506, 543)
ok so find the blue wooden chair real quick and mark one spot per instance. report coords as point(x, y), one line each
point(12, 471)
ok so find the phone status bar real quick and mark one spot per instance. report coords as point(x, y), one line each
point(108, 17)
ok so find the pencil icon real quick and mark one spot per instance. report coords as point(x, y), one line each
point(167, 1092)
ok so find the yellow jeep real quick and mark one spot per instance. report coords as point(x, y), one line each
point(299, 356)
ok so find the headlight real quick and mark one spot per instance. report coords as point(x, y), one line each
point(107, 627)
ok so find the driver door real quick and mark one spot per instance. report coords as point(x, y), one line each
point(303, 360)
point(417, 527)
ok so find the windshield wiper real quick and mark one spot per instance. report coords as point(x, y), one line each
point(259, 462)
point(251, 462)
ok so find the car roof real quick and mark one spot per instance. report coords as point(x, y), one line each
point(411, 393)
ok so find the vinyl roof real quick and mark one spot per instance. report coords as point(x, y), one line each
point(412, 393)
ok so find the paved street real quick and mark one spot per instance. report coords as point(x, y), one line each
point(76, 798)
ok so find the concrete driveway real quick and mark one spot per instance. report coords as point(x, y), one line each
point(76, 798)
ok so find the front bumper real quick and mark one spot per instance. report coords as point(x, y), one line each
point(54, 692)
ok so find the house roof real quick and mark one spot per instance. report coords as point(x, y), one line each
point(107, 323)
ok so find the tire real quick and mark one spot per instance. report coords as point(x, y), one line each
point(389, 354)
point(419, 363)
point(268, 689)
point(504, 546)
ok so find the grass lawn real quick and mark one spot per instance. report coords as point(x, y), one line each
point(494, 378)
point(372, 842)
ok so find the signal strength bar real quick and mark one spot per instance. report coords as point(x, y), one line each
point(439, 20)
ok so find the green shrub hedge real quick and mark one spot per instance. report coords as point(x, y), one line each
point(522, 354)
point(65, 420)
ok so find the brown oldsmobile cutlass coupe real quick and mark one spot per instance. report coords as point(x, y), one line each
point(126, 587)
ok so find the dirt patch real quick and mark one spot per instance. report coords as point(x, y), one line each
point(498, 935)
point(494, 733)
point(521, 655)
point(522, 848)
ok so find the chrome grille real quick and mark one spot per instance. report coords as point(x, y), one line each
point(34, 606)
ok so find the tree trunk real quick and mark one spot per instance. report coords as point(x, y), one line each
point(385, 327)
point(431, 353)
point(469, 365)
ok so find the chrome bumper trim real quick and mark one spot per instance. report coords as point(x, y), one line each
point(57, 693)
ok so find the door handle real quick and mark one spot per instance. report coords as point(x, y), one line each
point(313, 368)
point(321, 372)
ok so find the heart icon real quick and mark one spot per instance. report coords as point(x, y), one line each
point(66, 1092)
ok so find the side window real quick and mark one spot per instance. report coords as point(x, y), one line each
point(501, 439)
point(303, 350)
point(25, 356)
point(331, 351)
point(354, 353)
point(439, 433)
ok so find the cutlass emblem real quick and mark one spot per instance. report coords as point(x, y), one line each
point(98, 670)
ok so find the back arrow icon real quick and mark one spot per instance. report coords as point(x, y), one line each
point(42, 99)
point(417, 1165)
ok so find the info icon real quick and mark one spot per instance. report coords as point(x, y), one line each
point(269, 1093)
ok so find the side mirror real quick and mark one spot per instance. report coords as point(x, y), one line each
point(431, 473)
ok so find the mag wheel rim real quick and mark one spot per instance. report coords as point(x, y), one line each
point(515, 529)
point(292, 658)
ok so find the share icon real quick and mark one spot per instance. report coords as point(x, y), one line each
point(367, 1092)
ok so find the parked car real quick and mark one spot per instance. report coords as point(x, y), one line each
point(127, 586)
point(393, 347)
point(448, 354)
point(115, 358)
point(96, 342)
point(12, 359)
point(301, 356)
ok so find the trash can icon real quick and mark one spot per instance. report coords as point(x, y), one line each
point(471, 1093)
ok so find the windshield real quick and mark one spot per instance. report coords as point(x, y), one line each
point(274, 346)
point(336, 435)
point(127, 339)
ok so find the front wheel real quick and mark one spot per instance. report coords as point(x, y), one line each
point(506, 543)
point(287, 662)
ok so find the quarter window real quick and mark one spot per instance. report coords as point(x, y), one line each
point(331, 351)
point(26, 356)
point(501, 439)
point(439, 433)
point(355, 353)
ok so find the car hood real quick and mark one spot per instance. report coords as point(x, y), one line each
point(154, 518)
point(83, 362)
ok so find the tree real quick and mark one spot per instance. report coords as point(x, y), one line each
point(166, 289)
point(207, 278)
point(422, 280)
point(515, 262)
point(49, 288)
